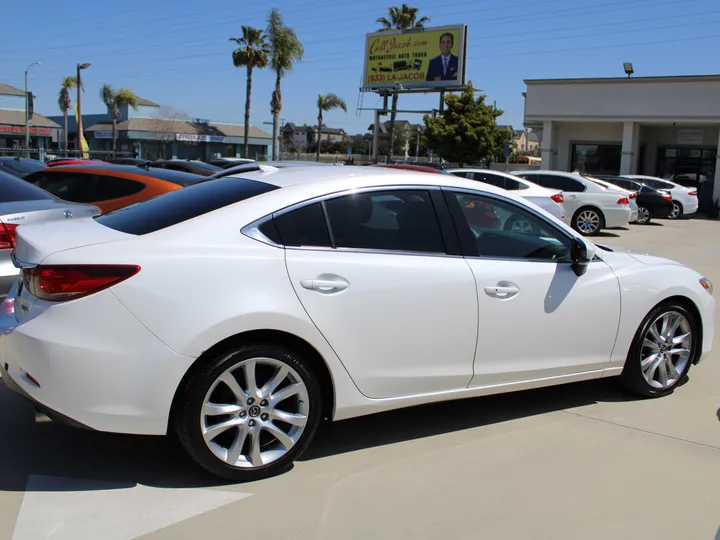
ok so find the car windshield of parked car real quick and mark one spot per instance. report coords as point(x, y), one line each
point(181, 205)
point(14, 189)
point(22, 166)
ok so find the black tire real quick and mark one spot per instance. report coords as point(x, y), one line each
point(187, 419)
point(601, 221)
point(512, 220)
point(632, 377)
point(644, 211)
point(680, 211)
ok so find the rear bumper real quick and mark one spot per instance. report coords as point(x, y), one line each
point(617, 217)
point(111, 375)
point(689, 207)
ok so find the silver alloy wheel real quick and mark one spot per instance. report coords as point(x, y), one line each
point(666, 350)
point(246, 424)
point(588, 221)
point(522, 226)
point(676, 211)
point(643, 215)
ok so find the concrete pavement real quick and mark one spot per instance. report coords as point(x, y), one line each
point(579, 461)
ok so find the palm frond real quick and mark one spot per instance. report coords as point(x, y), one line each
point(125, 96)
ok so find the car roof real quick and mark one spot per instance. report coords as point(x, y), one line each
point(176, 177)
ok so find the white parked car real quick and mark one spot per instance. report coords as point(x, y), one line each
point(685, 199)
point(550, 200)
point(589, 207)
point(240, 311)
point(630, 194)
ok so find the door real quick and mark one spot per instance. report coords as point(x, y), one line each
point(537, 318)
point(400, 313)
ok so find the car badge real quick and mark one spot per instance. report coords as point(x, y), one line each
point(68, 214)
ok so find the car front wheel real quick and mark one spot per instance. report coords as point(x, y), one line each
point(249, 413)
point(664, 348)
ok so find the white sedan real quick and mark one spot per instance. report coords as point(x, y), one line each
point(589, 207)
point(238, 312)
point(550, 200)
point(685, 199)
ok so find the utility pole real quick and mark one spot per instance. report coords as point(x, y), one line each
point(27, 106)
point(80, 67)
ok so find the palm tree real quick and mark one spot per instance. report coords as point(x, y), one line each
point(326, 103)
point(64, 102)
point(400, 18)
point(252, 53)
point(113, 100)
point(286, 50)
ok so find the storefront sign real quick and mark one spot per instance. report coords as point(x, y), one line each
point(104, 135)
point(192, 137)
point(691, 136)
point(20, 130)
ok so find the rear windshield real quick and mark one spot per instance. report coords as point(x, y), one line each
point(23, 166)
point(14, 189)
point(180, 205)
point(180, 178)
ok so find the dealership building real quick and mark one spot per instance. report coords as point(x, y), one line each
point(660, 126)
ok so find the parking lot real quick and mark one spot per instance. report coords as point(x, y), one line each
point(580, 461)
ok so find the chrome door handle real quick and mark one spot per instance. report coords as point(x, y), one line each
point(324, 285)
point(502, 292)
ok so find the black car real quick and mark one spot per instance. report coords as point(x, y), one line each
point(20, 166)
point(226, 163)
point(131, 161)
point(651, 202)
point(194, 167)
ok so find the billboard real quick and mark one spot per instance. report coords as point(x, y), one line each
point(419, 58)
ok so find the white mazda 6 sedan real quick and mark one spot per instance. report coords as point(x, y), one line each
point(239, 312)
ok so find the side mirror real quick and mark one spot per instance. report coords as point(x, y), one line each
point(579, 257)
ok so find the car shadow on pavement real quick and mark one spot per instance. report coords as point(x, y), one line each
point(439, 418)
point(119, 461)
point(606, 234)
point(29, 448)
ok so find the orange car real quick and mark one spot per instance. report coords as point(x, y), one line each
point(109, 187)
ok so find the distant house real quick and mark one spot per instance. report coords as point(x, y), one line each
point(412, 145)
point(303, 137)
point(527, 141)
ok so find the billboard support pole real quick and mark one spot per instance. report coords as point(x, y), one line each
point(375, 135)
point(442, 100)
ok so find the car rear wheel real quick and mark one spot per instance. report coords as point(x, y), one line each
point(249, 413)
point(588, 221)
point(644, 216)
point(664, 348)
point(677, 211)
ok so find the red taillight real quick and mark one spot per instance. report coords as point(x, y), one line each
point(7, 235)
point(623, 200)
point(693, 193)
point(667, 197)
point(68, 282)
point(558, 198)
point(633, 196)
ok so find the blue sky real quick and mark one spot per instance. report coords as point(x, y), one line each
point(177, 53)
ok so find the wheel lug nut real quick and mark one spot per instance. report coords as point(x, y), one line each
point(264, 416)
point(250, 401)
point(252, 422)
point(243, 414)
point(264, 403)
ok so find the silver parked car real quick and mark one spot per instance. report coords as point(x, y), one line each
point(22, 204)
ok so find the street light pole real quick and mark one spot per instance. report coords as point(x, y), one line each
point(80, 67)
point(27, 105)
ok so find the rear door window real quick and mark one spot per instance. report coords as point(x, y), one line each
point(111, 187)
point(69, 186)
point(305, 226)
